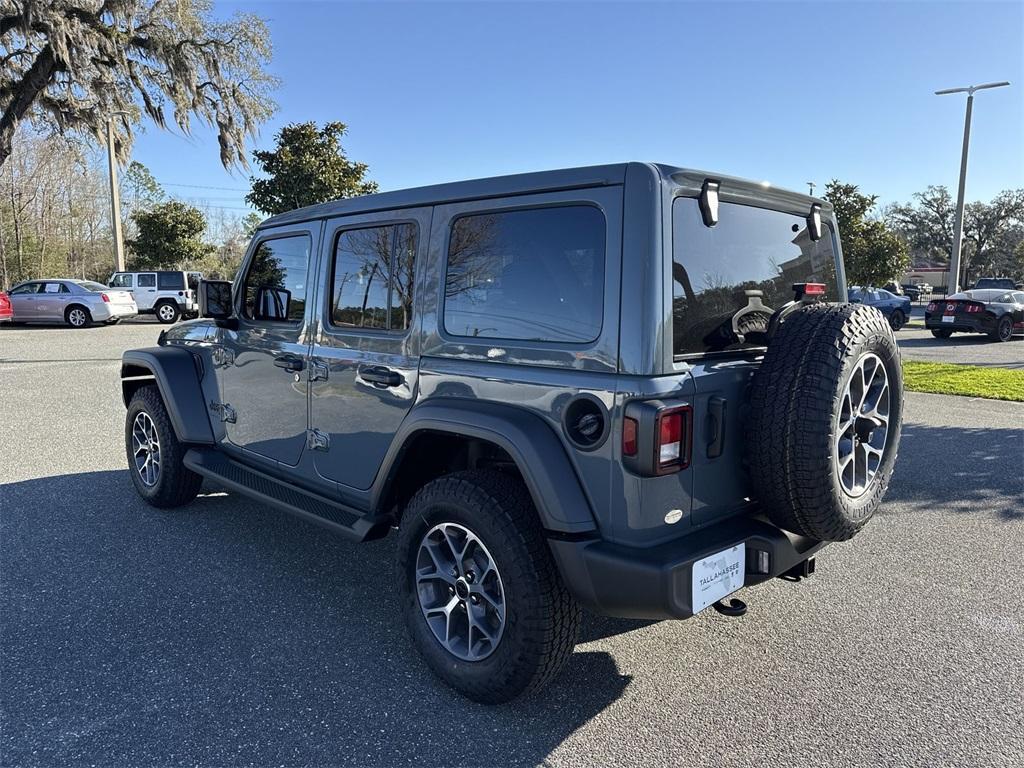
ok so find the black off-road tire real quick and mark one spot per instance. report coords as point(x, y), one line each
point(941, 333)
point(796, 398)
point(1004, 329)
point(176, 484)
point(171, 315)
point(542, 619)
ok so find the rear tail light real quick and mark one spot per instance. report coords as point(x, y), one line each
point(672, 439)
point(814, 289)
point(974, 308)
point(105, 298)
point(931, 306)
point(629, 447)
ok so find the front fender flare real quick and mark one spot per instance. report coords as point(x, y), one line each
point(177, 377)
point(534, 447)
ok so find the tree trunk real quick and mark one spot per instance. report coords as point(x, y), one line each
point(24, 94)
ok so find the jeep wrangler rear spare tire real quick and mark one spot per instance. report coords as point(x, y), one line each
point(824, 427)
point(480, 593)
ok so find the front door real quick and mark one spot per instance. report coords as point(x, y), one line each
point(23, 302)
point(145, 290)
point(262, 365)
point(365, 357)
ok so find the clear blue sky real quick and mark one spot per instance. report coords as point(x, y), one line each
point(783, 92)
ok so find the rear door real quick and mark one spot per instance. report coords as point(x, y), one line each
point(51, 301)
point(145, 290)
point(364, 363)
point(727, 280)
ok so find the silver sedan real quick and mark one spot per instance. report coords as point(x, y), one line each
point(78, 303)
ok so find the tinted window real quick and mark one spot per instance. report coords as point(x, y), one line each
point(23, 289)
point(55, 288)
point(147, 281)
point(279, 266)
point(121, 281)
point(717, 271)
point(91, 286)
point(535, 275)
point(373, 277)
point(1019, 298)
point(170, 281)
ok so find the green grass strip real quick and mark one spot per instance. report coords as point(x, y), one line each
point(965, 380)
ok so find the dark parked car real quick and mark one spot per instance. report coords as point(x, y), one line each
point(895, 308)
point(911, 291)
point(997, 312)
point(633, 388)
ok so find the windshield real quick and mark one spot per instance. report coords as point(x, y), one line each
point(729, 278)
point(91, 286)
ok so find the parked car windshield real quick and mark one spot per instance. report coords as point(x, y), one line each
point(91, 286)
point(717, 270)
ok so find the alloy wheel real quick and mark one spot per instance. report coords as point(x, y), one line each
point(863, 425)
point(166, 312)
point(146, 449)
point(460, 591)
point(77, 317)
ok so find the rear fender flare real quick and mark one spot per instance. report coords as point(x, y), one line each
point(176, 373)
point(534, 447)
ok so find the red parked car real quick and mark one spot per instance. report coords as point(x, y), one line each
point(6, 312)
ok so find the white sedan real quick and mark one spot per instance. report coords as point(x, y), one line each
point(79, 303)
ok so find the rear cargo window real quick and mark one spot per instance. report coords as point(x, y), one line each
point(750, 254)
point(530, 275)
point(170, 281)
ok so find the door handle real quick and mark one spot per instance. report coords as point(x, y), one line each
point(380, 376)
point(716, 414)
point(290, 363)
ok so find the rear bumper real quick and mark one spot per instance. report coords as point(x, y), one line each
point(109, 311)
point(960, 324)
point(655, 582)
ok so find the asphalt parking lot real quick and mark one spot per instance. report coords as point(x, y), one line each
point(227, 634)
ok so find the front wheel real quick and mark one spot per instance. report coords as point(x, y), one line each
point(155, 454)
point(941, 333)
point(480, 593)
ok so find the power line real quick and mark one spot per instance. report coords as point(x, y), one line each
point(202, 186)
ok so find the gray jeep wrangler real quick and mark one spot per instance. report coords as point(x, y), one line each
point(630, 388)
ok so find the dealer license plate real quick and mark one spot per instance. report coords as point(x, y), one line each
point(717, 576)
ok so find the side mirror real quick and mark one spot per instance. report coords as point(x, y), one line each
point(272, 303)
point(215, 299)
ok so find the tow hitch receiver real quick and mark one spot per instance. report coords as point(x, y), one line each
point(799, 571)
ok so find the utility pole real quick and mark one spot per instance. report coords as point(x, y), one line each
point(953, 282)
point(115, 196)
point(810, 186)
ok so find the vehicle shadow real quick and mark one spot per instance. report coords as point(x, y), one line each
point(227, 633)
point(965, 340)
point(965, 470)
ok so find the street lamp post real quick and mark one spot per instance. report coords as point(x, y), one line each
point(115, 196)
point(958, 226)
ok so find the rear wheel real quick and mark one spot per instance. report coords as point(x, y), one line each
point(826, 411)
point(167, 312)
point(897, 319)
point(77, 316)
point(941, 333)
point(1004, 330)
point(155, 454)
point(480, 593)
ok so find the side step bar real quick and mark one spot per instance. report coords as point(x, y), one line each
point(214, 465)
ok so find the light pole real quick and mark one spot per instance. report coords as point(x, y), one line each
point(115, 196)
point(810, 186)
point(958, 226)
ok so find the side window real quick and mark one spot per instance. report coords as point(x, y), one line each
point(170, 281)
point(278, 266)
point(21, 290)
point(1019, 297)
point(531, 275)
point(121, 281)
point(54, 288)
point(147, 280)
point(373, 277)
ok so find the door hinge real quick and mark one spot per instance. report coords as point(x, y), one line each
point(317, 440)
point(225, 411)
point(318, 370)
